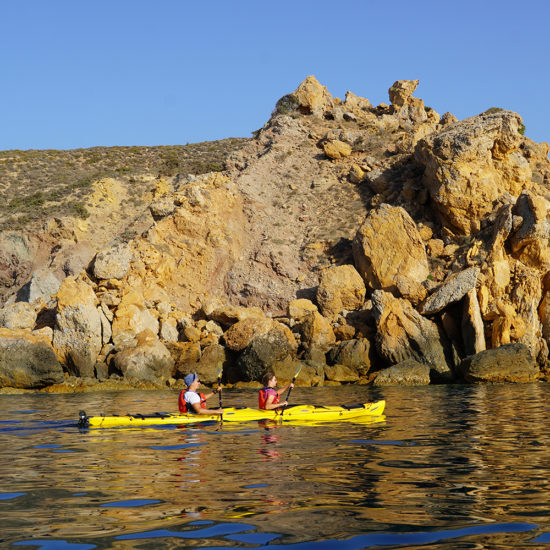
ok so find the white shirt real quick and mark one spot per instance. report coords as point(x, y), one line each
point(191, 397)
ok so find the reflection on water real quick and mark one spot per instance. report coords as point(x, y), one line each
point(451, 466)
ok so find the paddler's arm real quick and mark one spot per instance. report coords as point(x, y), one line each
point(199, 410)
point(217, 390)
point(282, 390)
point(269, 405)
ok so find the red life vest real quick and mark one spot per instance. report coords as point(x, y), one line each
point(183, 405)
point(264, 394)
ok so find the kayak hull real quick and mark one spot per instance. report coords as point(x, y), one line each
point(296, 413)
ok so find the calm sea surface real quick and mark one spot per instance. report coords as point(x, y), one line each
point(449, 467)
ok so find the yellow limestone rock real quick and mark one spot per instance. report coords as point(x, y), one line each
point(298, 309)
point(388, 250)
point(131, 318)
point(313, 97)
point(340, 288)
point(336, 149)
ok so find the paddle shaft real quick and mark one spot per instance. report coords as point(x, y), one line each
point(288, 395)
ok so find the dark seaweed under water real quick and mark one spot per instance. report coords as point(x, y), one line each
point(449, 467)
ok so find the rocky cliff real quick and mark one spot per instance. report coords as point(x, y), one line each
point(373, 244)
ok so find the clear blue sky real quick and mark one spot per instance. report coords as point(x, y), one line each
point(77, 73)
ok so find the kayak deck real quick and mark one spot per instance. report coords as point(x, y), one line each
point(295, 413)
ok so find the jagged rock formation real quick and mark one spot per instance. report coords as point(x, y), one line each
point(344, 237)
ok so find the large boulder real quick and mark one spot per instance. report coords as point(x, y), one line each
point(112, 263)
point(42, 285)
point(401, 91)
point(453, 289)
point(212, 358)
point(473, 330)
point(340, 373)
point(265, 351)
point(340, 288)
point(300, 308)
point(471, 164)
point(316, 332)
point(20, 315)
point(530, 241)
point(389, 252)
point(509, 363)
point(355, 354)
point(239, 336)
point(77, 336)
point(148, 360)
point(312, 97)
point(27, 361)
point(406, 373)
point(402, 333)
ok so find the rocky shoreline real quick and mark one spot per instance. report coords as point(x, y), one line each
point(370, 245)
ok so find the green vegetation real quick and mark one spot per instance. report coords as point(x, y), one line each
point(522, 129)
point(492, 110)
point(39, 184)
point(286, 105)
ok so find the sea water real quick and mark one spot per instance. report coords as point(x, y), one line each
point(450, 466)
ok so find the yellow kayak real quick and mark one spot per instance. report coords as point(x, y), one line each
point(295, 413)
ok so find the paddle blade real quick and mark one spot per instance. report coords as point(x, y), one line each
point(297, 372)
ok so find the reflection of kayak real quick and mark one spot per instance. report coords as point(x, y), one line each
point(296, 413)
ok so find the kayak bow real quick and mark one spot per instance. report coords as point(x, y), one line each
point(296, 413)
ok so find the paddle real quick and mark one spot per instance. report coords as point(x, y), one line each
point(219, 376)
point(290, 389)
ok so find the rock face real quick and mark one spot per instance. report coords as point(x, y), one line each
point(77, 333)
point(27, 361)
point(363, 243)
point(471, 164)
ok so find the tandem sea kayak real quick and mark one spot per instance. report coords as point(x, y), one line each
point(292, 414)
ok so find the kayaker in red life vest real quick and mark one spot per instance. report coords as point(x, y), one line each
point(268, 397)
point(192, 402)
